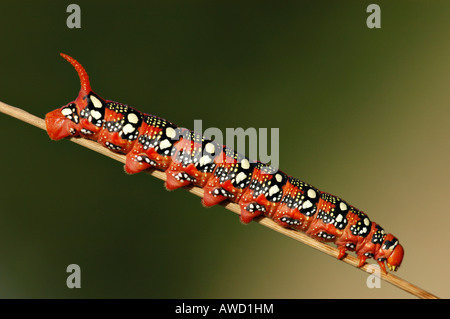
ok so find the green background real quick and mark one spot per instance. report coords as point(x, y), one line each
point(363, 113)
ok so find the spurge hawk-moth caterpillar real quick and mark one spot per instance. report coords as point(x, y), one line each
point(188, 158)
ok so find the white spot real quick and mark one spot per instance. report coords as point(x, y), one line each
point(279, 178)
point(366, 221)
point(170, 132)
point(66, 111)
point(204, 160)
point(165, 144)
point(96, 114)
point(245, 164)
point(240, 177)
point(339, 218)
point(97, 103)
point(273, 190)
point(132, 118)
point(343, 206)
point(127, 129)
point(210, 148)
point(307, 204)
point(312, 193)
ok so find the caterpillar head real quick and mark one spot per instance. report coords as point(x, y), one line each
point(392, 252)
point(67, 120)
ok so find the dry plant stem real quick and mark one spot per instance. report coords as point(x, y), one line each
point(299, 236)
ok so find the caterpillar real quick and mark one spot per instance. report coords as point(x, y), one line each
point(188, 158)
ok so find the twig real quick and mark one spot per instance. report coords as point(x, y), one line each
point(299, 236)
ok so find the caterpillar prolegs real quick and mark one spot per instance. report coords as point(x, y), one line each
point(189, 158)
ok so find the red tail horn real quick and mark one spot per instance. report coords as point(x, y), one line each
point(84, 78)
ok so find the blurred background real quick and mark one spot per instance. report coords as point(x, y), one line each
point(363, 114)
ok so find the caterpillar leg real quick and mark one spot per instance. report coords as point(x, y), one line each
point(289, 222)
point(136, 163)
point(342, 252)
point(250, 210)
point(215, 195)
point(252, 207)
point(362, 261)
point(361, 258)
point(382, 266)
point(177, 176)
